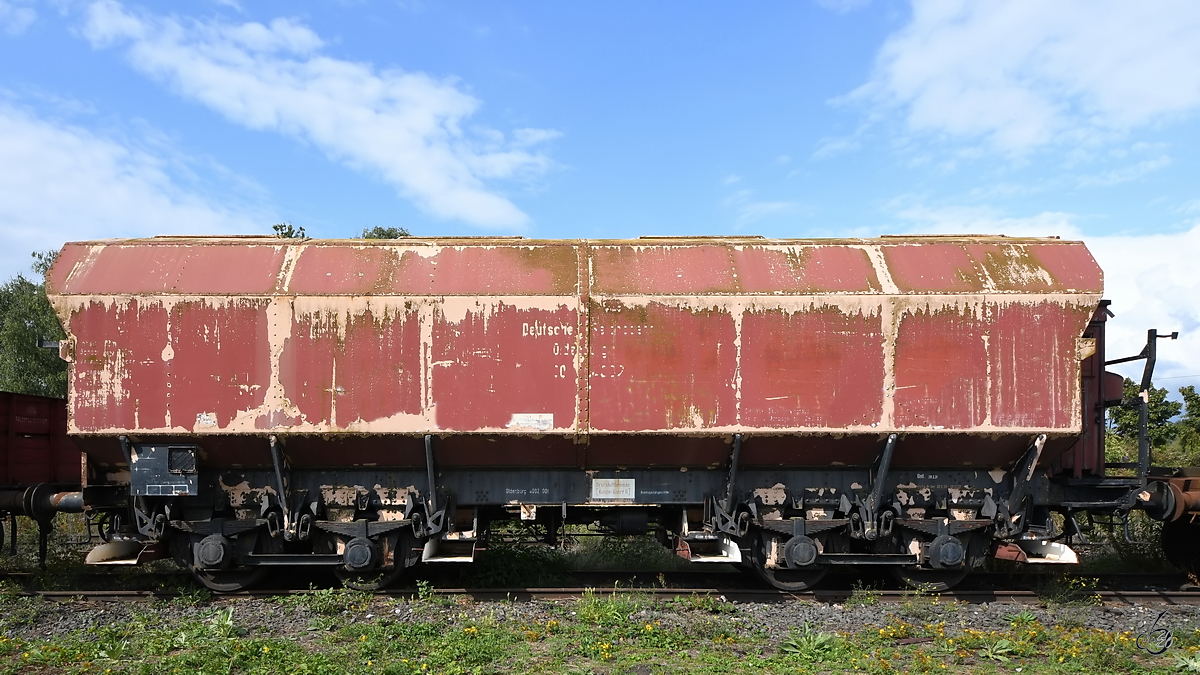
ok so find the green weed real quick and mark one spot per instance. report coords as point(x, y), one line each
point(702, 603)
point(1000, 650)
point(331, 601)
point(192, 596)
point(517, 565)
point(862, 596)
point(639, 553)
point(1021, 619)
point(609, 610)
point(810, 644)
point(1187, 662)
point(1068, 590)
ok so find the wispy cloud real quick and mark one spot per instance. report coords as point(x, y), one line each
point(834, 146)
point(15, 18)
point(1062, 181)
point(405, 127)
point(753, 212)
point(843, 6)
point(61, 182)
point(1026, 74)
point(748, 210)
point(1125, 174)
point(918, 218)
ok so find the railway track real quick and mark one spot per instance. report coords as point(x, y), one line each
point(1108, 589)
point(735, 595)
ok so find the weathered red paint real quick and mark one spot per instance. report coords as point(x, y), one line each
point(660, 367)
point(116, 378)
point(942, 369)
point(818, 368)
point(184, 365)
point(229, 268)
point(486, 370)
point(518, 269)
point(1035, 368)
point(666, 268)
point(322, 374)
point(582, 341)
point(933, 268)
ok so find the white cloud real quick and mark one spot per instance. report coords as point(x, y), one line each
point(843, 6)
point(405, 127)
point(921, 219)
point(753, 212)
point(1024, 74)
point(14, 19)
point(748, 211)
point(832, 147)
point(1192, 206)
point(1151, 279)
point(1125, 174)
point(62, 183)
point(1152, 282)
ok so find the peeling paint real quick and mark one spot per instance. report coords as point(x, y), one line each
point(772, 496)
point(719, 337)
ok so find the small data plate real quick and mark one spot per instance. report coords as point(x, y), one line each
point(163, 470)
point(613, 489)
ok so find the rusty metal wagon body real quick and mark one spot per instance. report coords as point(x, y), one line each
point(791, 404)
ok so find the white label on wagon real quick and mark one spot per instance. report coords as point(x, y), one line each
point(539, 421)
point(612, 488)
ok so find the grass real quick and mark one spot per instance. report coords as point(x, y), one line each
point(862, 595)
point(639, 553)
point(329, 601)
point(1067, 590)
point(600, 633)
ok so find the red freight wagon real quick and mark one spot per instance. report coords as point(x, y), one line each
point(802, 403)
point(37, 459)
point(34, 447)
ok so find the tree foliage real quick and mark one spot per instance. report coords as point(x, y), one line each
point(289, 231)
point(25, 316)
point(1189, 424)
point(1161, 429)
point(378, 232)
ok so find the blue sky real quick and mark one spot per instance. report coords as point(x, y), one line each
point(797, 119)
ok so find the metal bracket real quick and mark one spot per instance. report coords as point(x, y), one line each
point(282, 481)
point(1012, 510)
point(731, 485)
point(127, 450)
point(718, 519)
point(435, 519)
point(1150, 353)
point(871, 523)
point(152, 524)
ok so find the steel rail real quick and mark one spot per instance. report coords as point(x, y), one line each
point(734, 595)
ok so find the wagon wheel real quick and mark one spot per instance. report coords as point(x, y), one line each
point(931, 581)
point(782, 578)
point(373, 580)
point(229, 581)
